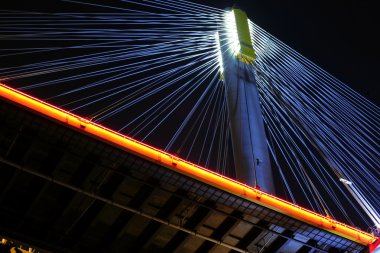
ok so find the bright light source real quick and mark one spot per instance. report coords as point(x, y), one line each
point(250, 27)
point(345, 181)
point(220, 59)
point(232, 34)
point(361, 198)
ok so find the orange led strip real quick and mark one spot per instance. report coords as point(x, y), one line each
point(186, 168)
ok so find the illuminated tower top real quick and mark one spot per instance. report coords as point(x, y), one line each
point(239, 35)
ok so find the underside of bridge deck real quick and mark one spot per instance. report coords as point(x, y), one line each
point(63, 191)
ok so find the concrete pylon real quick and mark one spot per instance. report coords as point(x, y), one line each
point(250, 150)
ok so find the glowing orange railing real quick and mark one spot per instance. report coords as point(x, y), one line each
point(184, 167)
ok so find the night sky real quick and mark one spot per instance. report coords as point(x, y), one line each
point(340, 36)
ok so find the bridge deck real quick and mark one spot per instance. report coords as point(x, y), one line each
point(67, 184)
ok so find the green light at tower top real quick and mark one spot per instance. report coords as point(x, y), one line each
point(246, 51)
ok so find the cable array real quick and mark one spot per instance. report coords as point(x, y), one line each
point(150, 69)
point(323, 135)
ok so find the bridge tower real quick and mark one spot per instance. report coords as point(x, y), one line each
point(237, 60)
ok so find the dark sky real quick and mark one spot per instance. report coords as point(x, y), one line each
point(339, 35)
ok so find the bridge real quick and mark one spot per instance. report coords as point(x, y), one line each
point(63, 176)
point(70, 183)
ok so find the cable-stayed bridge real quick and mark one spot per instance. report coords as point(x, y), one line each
point(154, 73)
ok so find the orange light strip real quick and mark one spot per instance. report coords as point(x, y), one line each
point(186, 168)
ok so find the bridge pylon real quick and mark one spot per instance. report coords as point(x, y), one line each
point(237, 59)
